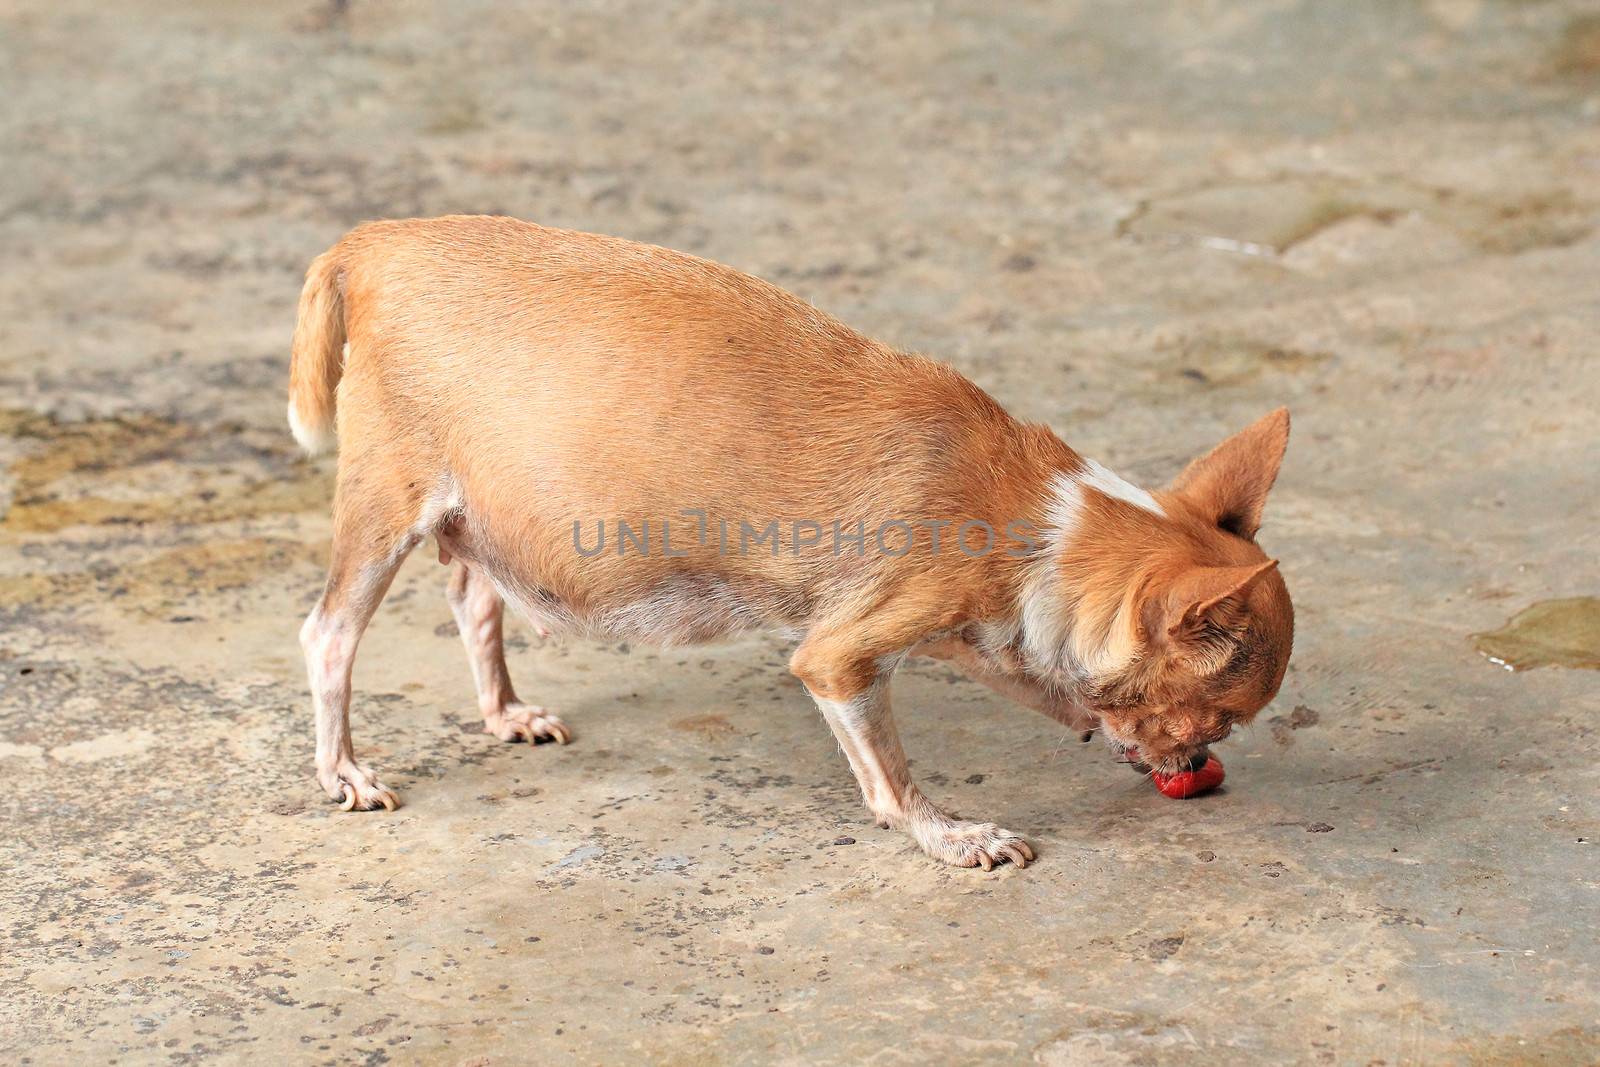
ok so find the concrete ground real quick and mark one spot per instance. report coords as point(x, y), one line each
point(1144, 223)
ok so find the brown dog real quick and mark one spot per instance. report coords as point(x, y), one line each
point(625, 440)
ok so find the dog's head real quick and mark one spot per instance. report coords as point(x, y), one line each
point(1175, 623)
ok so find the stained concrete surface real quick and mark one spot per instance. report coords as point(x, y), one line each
point(1143, 223)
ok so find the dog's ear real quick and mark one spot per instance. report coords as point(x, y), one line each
point(1229, 484)
point(1188, 614)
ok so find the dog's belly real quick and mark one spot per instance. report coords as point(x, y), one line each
point(679, 610)
point(667, 609)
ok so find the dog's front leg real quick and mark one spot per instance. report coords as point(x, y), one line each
point(853, 695)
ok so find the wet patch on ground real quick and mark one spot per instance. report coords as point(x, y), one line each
point(1273, 218)
point(1551, 633)
point(1211, 360)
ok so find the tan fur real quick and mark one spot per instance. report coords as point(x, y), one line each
point(504, 381)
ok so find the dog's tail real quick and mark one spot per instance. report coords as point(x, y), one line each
point(317, 360)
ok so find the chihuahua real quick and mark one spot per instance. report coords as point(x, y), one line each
point(626, 441)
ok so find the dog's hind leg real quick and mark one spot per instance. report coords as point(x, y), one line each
point(480, 614)
point(379, 517)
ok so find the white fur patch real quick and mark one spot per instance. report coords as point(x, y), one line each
point(1065, 506)
point(1045, 619)
point(314, 439)
point(438, 506)
point(1047, 613)
point(1112, 484)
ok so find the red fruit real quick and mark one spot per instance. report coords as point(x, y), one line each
point(1188, 783)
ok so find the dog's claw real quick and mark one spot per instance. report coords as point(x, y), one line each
point(519, 722)
point(381, 798)
point(980, 845)
point(355, 788)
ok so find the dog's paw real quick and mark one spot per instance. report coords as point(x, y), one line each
point(524, 722)
point(356, 788)
point(968, 844)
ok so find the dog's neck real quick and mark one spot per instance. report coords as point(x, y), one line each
point(1068, 621)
